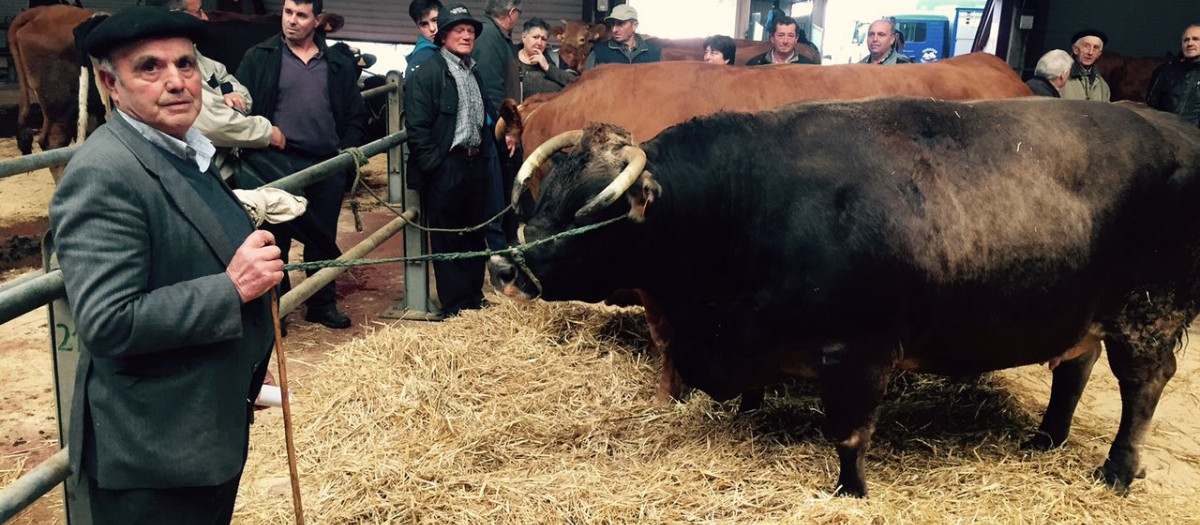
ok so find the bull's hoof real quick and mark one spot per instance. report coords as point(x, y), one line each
point(751, 400)
point(1119, 477)
point(851, 490)
point(25, 141)
point(1042, 442)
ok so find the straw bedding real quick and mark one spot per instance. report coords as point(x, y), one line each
point(544, 413)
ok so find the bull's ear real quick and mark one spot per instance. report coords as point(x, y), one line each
point(598, 32)
point(641, 195)
point(559, 31)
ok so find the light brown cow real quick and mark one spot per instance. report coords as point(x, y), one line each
point(653, 97)
point(43, 50)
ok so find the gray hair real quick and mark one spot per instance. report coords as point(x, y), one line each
point(1053, 64)
point(501, 7)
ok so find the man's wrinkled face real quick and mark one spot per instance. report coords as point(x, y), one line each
point(299, 22)
point(623, 31)
point(1088, 49)
point(1191, 43)
point(460, 39)
point(880, 38)
point(428, 24)
point(784, 39)
point(157, 82)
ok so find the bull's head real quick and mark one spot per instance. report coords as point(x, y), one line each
point(576, 38)
point(583, 188)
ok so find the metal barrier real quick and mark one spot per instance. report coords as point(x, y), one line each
point(40, 288)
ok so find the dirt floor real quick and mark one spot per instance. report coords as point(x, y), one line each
point(28, 431)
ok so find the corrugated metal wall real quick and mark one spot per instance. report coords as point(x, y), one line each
point(388, 21)
point(1143, 28)
point(366, 20)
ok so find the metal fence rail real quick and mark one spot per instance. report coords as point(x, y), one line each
point(59, 156)
point(40, 288)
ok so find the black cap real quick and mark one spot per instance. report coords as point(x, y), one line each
point(137, 23)
point(454, 15)
point(1090, 32)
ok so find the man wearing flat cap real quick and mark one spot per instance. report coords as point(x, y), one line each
point(166, 277)
point(625, 46)
point(1085, 82)
point(449, 144)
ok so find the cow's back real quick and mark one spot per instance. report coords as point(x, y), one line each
point(646, 99)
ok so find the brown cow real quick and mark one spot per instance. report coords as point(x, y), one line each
point(1128, 77)
point(43, 50)
point(657, 96)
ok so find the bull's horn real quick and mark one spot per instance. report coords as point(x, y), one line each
point(543, 152)
point(636, 159)
point(501, 129)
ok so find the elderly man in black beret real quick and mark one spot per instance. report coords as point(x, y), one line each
point(166, 277)
point(1085, 82)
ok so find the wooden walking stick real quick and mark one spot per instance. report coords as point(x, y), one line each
point(287, 410)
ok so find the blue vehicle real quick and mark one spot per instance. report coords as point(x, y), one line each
point(932, 37)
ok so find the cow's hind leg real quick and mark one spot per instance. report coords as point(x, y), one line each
point(1141, 352)
point(853, 379)
point(1070, 377)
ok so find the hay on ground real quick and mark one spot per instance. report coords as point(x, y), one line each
point(544, 413)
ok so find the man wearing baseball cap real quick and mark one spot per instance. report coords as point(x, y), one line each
point(625, 46)
point(1085, 82)
point(448, 160)
point(166, 277)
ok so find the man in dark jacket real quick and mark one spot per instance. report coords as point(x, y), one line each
point(496, 59)
point(313, 96)
point(784, 36)
point(625, 46)
point(1176, 85)
point(1051, 73)
point(449, 143)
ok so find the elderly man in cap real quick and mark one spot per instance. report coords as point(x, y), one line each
point(166, 277)
point(1085, 82)
point(450, 143)
point(625, 46)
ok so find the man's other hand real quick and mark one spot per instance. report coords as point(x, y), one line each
point(278, 141)
point(256, 266)
point(235, 101)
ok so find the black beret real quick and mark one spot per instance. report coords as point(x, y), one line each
point(133, 24)
point(1090, 32)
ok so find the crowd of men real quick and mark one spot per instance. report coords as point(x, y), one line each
point(168, 277)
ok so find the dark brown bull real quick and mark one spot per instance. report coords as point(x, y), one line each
point(842, 240)
point(1128, 77)
point(656, 96)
